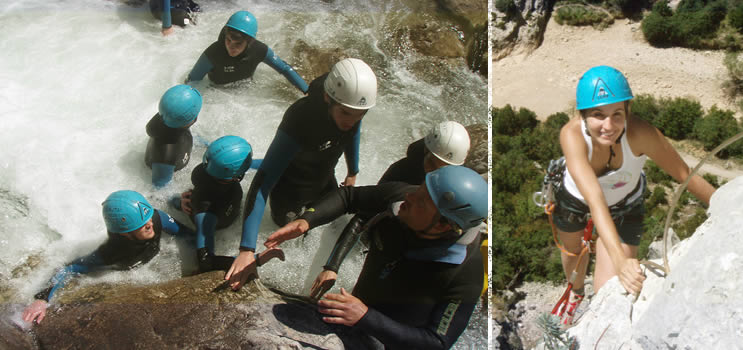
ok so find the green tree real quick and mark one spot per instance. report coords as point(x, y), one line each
point(676, 120)
point(645, 106)
point(716, 127)
point(506, 121)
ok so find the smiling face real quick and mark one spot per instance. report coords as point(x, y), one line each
point(606, 123)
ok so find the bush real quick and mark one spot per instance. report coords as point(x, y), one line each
point(645, 107)
point(657, 30)
point(692, 23)
point(556, 121)
point(657, 197)
point(688, 227)
point(577, 15)
point(661, 8)
point(735, 17)
point(506, 121)
point(716, 127)
point(654, 173)
point(676, 120)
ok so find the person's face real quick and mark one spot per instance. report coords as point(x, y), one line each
point(606, 123)
point(418, 210)
point(431, 162)
point(235, 43)
point(344, 117)
point(143, 233)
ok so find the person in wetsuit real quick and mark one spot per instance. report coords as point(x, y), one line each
point(170, 144)
point(134, 230)
point(422, 277)
point(214, 201)
point(446, 144)
point(181, 13)
point(236, 54)
point(301, 159)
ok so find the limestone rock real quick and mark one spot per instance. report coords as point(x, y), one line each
point(477, 158)
point(699, 304)
point(520, 28)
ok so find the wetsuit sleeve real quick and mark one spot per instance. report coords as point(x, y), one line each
point(277, 158)
point(173, 226)
point(447, 322)
point(286, 70)
point(199, 70)
point(256, 163)
point(82, 265)
point(162, 174)
point(352, 153)
point(347, 240)
point(167, 21)
point(372, 199)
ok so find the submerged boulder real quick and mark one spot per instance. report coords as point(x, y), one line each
point(195, 312)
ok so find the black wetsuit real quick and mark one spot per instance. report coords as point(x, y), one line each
point(409, 169)
point(167, 145)
point(220, 199)
point(420, 293)
point(118, 253)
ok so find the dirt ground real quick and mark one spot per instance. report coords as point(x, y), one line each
point(544, 81)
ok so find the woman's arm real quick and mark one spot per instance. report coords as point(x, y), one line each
point(578, 164)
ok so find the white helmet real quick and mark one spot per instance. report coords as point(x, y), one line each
point(352, 83)
point(449, 141)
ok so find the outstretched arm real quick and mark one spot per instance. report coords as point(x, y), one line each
point(279, 154)
point(286, 70)
point(199, 70)
point(173, 226)
point(576, 155)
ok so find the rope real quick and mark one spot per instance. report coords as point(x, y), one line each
point(676, 196)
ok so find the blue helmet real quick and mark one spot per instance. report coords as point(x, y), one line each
point(243, 22)
point(125, 211)
point(600, 86)
point(180, 106)
point(228, 158)
point(460, 194)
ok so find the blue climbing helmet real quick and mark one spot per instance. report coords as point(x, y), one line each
point(600, 86)
point(125, 211)
point(228, 158)
point(180, 106)
point(460, 194)
point(243, 22)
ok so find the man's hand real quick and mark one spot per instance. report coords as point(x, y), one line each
point(291, 230)
point(343, 308)
point(324, 281)
point(186, 202)
point(631, 277)
point(349, 181)
point(35, 311)
point(242, 268)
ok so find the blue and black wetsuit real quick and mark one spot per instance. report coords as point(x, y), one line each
point(409, 169)
point(118, 253)
point(223, 69)
point(168, 150)
point(300, 162)
point(420, 292)
point(180, 10)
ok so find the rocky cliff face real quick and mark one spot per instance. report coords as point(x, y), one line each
point(699, 305)
point(518, 25)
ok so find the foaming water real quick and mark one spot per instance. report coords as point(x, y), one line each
point(80, 79)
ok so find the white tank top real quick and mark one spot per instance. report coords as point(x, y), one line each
point(615, 184)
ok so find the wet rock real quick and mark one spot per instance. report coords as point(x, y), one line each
point(477, 158)
point(190, 313)
point(312, 62)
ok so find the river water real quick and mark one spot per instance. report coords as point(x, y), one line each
point(80, 79)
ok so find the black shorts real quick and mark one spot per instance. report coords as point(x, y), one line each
point(629, 225)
